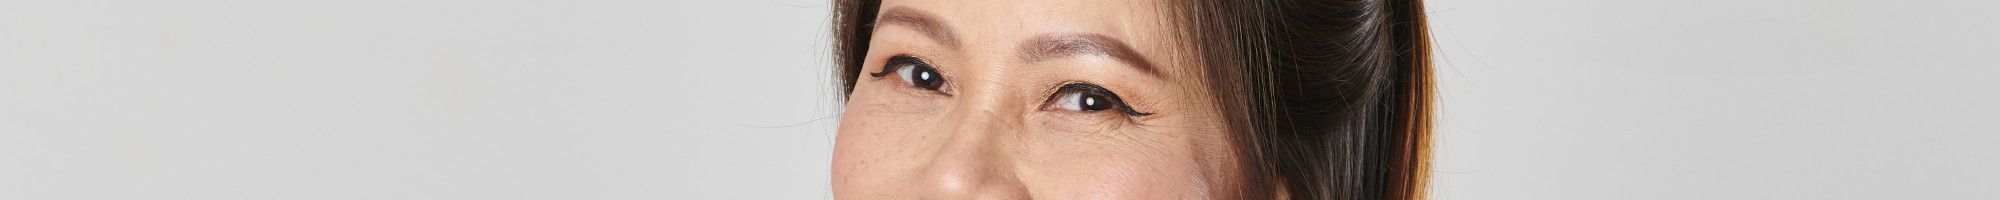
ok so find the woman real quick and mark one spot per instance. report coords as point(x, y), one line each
point(1132, 99)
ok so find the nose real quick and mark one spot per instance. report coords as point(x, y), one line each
point(972, 163)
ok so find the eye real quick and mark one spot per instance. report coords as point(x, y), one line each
point(914, 72)
point(1090, 98)
point(1079, 101)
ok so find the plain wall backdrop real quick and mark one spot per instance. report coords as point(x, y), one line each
point(620, 99)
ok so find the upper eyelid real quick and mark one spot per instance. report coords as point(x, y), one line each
point(1083, 87)
point(887, 69)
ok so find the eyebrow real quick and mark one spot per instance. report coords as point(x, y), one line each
point(1040, 48)
point(922, 22)
point(1053, 46)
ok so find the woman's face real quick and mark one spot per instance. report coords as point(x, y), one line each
point(1030, 99)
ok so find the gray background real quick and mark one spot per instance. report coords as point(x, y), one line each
point(597, 99)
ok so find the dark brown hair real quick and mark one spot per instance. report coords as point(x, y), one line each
point(1327, 99)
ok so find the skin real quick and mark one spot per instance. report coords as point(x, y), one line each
point(994, 132)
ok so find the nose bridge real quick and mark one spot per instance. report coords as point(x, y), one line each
point(978, 117)
point(972, 162)
point(985, 105)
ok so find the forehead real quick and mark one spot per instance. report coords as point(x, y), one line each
point(1000, 25)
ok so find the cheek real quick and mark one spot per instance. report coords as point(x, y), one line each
point(1175, 158)
point(869, 160)
point(1125, 178)
point(1120, 168)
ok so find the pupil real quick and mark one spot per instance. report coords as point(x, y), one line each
point(1092, 102)
point(925, 78)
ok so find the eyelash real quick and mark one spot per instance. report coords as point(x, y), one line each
point(1085, 95)
point(904, 67)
